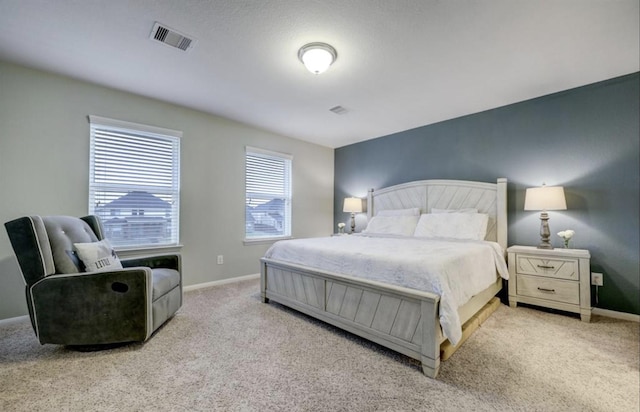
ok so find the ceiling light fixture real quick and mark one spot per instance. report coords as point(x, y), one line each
point(317, 57)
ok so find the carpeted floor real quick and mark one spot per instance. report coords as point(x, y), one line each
point(225, 350)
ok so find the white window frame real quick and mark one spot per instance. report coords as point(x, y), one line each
point(286, 193)
point(165, 187)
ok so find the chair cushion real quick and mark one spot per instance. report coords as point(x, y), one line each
point(164, 280)
point(63, 232)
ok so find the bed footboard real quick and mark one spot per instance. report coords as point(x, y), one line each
point(401, 319)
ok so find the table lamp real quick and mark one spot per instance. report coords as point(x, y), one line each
point(545, 198)
point(352, 205)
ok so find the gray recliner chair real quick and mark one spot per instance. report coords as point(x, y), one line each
point(68, 306)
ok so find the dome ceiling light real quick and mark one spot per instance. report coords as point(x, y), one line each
point(317, 57)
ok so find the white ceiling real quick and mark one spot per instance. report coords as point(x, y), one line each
point(401, 63)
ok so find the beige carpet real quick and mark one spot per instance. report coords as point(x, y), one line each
point(225, 350)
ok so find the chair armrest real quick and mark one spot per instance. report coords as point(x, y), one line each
point(155, 262)
point(94, 307)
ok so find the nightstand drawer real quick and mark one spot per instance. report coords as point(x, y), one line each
point(558, 268)
point(551, 289)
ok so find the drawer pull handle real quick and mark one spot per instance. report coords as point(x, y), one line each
point(546, 290)
point(546, 267)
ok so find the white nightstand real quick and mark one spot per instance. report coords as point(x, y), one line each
point(553, 278)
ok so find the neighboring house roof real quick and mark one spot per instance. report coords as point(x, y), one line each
point(137, 200)
point(272, 208)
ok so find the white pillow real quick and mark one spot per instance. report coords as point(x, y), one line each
point(392, 225)
point(471, 226)
point(98, 256)
point(399, 212)
point(464, 210)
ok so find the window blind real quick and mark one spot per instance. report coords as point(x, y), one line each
point(134, 182)
point(268, 194)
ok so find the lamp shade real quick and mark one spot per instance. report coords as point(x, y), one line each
point(545, 198)
point(317, 57)
point(352, 205)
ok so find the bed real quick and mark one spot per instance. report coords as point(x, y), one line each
point(415, 321)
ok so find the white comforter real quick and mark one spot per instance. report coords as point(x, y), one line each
point(455, 270)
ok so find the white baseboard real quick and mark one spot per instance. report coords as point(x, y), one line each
point(596, 311)
point(25, 318)
point(12, 321)
point(220, 282)
point(616, 315)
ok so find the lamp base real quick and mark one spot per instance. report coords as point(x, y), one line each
point(353, 223)
point(544, 232)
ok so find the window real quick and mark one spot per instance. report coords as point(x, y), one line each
point(268, 195)
point(134, 182)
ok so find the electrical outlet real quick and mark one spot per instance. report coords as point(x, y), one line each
point(220, 259)
point(596, 278)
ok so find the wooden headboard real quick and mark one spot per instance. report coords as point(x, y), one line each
point(489, 198)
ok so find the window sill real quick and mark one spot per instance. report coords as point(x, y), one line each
point(147, 250)
point(265, 240)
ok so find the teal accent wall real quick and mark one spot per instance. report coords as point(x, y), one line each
point(585, 139)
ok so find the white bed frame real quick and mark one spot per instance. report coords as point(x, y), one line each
point(401, 319)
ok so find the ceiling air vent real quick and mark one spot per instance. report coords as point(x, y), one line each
point(338, 110)
point(171, 37)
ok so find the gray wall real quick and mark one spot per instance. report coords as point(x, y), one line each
point(44, 169)
point(585, 139)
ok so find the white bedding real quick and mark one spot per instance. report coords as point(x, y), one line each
point(455, 270)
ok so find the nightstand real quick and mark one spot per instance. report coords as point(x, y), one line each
point(553, 278)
